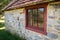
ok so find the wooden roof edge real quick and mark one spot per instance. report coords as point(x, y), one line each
point(24, 6)
point(13, 1)
point(15, 7)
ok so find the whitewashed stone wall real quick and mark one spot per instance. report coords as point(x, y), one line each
point(53, 26)
point(15, 23)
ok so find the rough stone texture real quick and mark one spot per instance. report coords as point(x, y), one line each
point(15, 23)
point(52, 35)
point(53, 22)
point(46, 39)
point(57, 27)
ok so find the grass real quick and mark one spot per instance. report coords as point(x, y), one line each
point(5, 35)
point(1, 25)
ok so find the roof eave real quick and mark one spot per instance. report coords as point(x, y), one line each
point(9, 5)
point(21, 6)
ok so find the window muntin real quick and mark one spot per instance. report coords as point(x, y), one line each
point(34, 15)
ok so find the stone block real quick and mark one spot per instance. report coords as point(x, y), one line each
point(57, 27)
point(58, 22)
point(52, 35)
point(52, 17)
point(49, 25)
point(29, 38)
point(51, 21)
point(46, 39)
point(37, 37)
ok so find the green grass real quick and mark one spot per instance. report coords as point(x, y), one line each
point(5, 35)
point(1, 25)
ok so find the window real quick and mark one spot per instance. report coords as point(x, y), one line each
point(36, 19)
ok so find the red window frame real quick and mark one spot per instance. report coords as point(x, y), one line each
point(36, 29)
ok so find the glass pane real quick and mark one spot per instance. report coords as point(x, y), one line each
point(40, 17)
point(34, 17)
point(29, 17)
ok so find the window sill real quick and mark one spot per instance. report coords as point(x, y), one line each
point(37, 30)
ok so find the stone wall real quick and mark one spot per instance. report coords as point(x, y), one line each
point(53, 26)
point(15, 23)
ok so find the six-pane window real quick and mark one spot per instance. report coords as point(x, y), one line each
point(36, 18)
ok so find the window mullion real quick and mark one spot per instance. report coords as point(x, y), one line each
point(37, 17)
point(32, 17)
